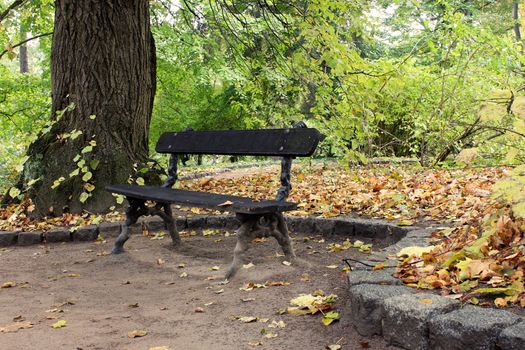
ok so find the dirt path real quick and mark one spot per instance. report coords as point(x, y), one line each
point(103, 297)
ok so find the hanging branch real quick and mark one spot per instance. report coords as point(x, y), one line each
point(23, 42)
point(9, 8)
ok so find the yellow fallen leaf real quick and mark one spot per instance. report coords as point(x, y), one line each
point(415, 251)
point(159, 348)
point(277, 324)
point(225, 204)
point(333, 347)
point(405, 223)
point(379, 267)
point(500, 302)
point(247, 319)
point(270, 335)
point(9, 284)
point(332, 267)
point(214, 268)
point(73, 275)
point(277, 283)
point(296, 311)
point(425, 301)
point(59, 324)
point(330, 317)
point(137, 333)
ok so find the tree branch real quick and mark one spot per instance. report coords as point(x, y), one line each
point(23, 42)
point(14, 5)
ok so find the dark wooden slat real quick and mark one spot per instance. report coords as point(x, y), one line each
point(293, 142)
point(201, 199)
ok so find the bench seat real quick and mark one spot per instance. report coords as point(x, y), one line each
point(243, 205)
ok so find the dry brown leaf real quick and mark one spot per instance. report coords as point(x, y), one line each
point(14, 327)
point(137, 333)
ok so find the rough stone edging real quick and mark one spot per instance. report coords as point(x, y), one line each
point(369, 230)
point(381, 305)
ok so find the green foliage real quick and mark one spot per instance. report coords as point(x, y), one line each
point(24, 107)
point(434, 79)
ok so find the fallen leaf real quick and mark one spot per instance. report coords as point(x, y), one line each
point(364, 344)
point(305, 277)
point(247, 266)
point(330, 317)
point(333, 347)
point(199, 310)
point(159, 348)
point(59, 324)
point(214, 268)
point(137, 333)
point(415, 251)
point(225, 204)
point(277, 324)
point(277, 283)
point(250, 286)
point(425, 301)
point(8, 285)
point(332, 267)
point(14, 327)
point(73, 275)
point(246, 319)
point(269, 334)
point(183, 275)
point(405, 222)
point(379, 266)
point(133, 305)
point(287, 263)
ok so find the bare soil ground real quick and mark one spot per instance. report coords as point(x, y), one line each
point(103, 297)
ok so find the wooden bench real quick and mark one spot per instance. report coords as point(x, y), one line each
point(258, 218)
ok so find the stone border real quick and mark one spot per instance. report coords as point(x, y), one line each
point(381, 305)
point(368, 230)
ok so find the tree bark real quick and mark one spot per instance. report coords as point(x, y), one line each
point(103, 64)
point(24, 61)
point(22, 53)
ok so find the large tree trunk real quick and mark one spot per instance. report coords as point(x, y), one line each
point(103, 63)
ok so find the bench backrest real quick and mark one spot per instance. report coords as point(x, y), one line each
point(291, 142)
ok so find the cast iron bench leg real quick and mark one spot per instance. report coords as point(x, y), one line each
point(169, 221)
point(244, 237)
point(170, 224)
point(136, 209)
point(280, 232)
point(251, 228)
